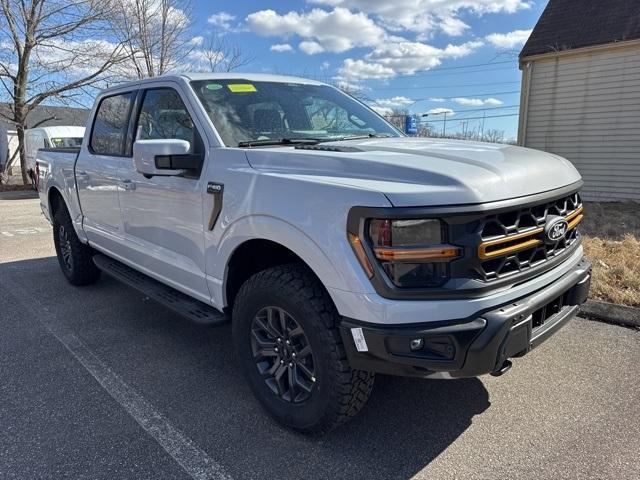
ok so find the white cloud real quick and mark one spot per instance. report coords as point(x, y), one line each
point(384, 111)
point(360, 70)
point(197, 41)
point(493, 102)
point(441, 111)
point(221, 20)
point(395, 102)
point(351, 88)
point(401, 58)
point(476, 102)
point(513, 39)
point(425, 16)
point(336, 31)
point(310, 47)
point(437, 99)
point(325, 65)
point(281, 47)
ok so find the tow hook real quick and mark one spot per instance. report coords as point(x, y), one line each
point(506, 366)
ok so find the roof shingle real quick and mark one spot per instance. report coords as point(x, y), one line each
point(571, 24)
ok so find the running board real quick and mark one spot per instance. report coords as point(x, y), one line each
point(194, 310)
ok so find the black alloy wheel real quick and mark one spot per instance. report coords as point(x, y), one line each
point(283, 355)
point(65, 248)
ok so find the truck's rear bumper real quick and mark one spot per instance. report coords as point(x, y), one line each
point(473, 346)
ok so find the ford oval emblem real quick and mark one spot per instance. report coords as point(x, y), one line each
point(556, 229)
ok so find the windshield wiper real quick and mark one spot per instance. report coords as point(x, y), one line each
point(279, 141)
point(361, 137)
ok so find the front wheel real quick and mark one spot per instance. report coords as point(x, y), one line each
point(285, 330)
point(75, 258)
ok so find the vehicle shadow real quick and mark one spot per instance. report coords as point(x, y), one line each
point(189, 373)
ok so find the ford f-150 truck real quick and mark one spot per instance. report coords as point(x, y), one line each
point(336, 246)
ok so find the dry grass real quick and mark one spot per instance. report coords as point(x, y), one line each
point(611, 239)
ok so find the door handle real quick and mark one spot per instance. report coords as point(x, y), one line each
point(128, 185)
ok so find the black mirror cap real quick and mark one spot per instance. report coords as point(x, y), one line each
point(189, 161)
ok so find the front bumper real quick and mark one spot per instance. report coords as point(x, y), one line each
point(473, 346)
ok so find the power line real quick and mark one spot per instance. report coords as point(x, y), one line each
point(485, 94)
point(463, 85)
point(470, 118)
point(504, 107)
point(458, 67)
point(430, 73)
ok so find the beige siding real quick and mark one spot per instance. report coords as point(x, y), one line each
point(587, 108)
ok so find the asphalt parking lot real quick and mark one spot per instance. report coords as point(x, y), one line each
point(98, 382)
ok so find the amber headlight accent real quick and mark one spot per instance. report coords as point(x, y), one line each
point(356, 244)
point(412, 252)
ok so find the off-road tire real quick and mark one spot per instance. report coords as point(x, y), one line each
point(75, 258)
point(339, 392)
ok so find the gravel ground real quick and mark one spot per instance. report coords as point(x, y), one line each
point(98, 382)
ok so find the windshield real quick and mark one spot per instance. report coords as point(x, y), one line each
point(244, 112)
point(67, 142)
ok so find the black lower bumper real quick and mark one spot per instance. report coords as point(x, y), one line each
point(473, 346)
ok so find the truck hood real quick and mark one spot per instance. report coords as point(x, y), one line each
point(422, 172)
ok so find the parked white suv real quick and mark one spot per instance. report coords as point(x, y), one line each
point(336, 246)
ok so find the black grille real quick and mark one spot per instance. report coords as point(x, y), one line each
point(518, 223)
point(540, 316)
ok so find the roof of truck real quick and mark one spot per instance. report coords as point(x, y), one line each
point(248, 77)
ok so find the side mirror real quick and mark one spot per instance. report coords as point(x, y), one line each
point(165, 157)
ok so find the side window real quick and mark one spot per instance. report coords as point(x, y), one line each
point(163, 115)
point(110, 125)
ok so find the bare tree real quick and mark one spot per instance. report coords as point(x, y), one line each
point(397, 117)
point(156, 34)
point(48, 51)
point(217, 54)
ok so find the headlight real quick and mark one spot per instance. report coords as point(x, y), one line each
point(412, 252)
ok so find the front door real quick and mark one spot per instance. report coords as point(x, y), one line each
point(163, 215)
point(97, 168)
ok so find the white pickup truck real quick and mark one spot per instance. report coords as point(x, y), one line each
point(336, 246)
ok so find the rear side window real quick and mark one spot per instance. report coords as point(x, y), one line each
point(110, 125)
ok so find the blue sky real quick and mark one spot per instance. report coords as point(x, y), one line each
point(459, 55)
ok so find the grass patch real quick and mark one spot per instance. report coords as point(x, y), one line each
point(611, 239)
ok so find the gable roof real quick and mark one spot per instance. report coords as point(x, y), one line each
point(48, 116)
point(571, 24)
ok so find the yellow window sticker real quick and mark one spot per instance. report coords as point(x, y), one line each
point(241, 87)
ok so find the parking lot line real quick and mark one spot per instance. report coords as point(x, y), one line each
point(195, 461)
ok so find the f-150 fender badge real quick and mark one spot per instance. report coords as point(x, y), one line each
point(215, 189)
point(555, 230)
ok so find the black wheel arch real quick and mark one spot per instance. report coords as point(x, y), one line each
point(251, 257)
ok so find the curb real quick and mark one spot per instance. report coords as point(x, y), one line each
point(611, 313)
point(18, 195)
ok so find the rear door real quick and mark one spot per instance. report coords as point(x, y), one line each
point(97, 167)
point(163, 215)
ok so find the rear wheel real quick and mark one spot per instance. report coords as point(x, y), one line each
point(285, 330)
point(74, 257)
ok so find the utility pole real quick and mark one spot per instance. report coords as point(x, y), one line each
point(444, 126)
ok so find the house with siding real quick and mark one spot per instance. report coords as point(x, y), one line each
point(581, 92)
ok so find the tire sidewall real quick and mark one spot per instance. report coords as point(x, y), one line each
point(58, 221)
point(312, 411)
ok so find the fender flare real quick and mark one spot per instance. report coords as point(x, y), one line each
point(265, 227)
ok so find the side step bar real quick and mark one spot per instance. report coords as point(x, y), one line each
point(180, 303)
